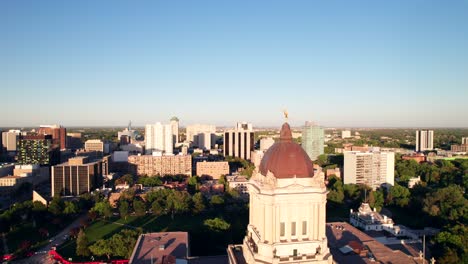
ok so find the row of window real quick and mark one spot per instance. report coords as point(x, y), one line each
point(293, 228)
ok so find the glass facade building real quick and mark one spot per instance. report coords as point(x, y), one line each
point(313, 140)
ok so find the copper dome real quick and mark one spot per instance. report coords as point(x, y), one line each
point(286, 159)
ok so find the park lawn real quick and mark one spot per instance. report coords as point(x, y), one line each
point(202, 241)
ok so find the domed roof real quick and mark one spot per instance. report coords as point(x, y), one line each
point(286, 159)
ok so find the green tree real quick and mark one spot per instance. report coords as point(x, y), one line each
point(192, 184)
point(139, 207)
point(82, 244)
point(70, 208)
point(103, 209)
point(217, 224)
point(216, 200)
point(447, 203)
point(198, 203)
point(56, 206)
point(102, 248)
point(322, 160)
point(451, 244)
point(127, 178)
point(400, 195)
point(124, 209)
point(178, 202)
point(157, 208)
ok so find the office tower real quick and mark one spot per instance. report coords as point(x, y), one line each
point(38, 149)
point(464, 141)
point(371, 168)
point(201, 136)
point(58, 133)
point(287, 210)
point(175, 130)
point(313, 140)
point(150, 165)
point(9, 139)
point(158, 139)
point(239, 142)
point(74, 141)
point(424, 140)
point(78, 175)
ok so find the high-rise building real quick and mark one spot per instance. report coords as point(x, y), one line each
point(159, 138)
point(38, 149)
point(286, 210)
point(78, 175)
point(345, 134)
point(424, 140)
point(58, 133)
point(313, 140)
point(239, 142)
point(370, 168)
point(201, 136)
point(464, 141)
point(74, 141)
point(175, 130)
point(10, 139)
point(150, 165)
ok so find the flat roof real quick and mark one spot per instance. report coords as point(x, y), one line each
point(158, 247)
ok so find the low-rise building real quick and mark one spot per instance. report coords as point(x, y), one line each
point(413, 181)
point(335, 171)
point(369, 219)
point(418, 157)
point(10, 183)
point(94, 145)
point(213, 169)
point(161, 248)
point(239, 183)
point(160, 165)
point(459, 148)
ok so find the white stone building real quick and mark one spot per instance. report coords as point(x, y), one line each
point(287, 209)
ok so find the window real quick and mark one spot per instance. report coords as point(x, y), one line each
point(304, 228)
point(282, 229)
point(295, 252)
point(293, 228)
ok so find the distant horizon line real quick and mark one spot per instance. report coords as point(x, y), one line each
point(3, 128)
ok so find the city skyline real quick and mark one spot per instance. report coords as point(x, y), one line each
point(360, 64)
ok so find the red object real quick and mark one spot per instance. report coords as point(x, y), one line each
point(8, 257)
point(286, 159)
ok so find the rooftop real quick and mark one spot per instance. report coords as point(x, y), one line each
point(342, 234)
point(160, 248)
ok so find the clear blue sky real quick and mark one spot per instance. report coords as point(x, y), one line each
point(340, 63)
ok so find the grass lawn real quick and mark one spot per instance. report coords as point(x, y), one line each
point(202, 241)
